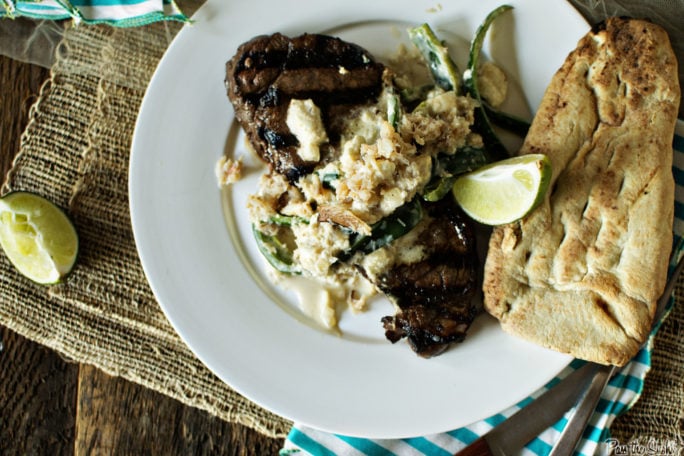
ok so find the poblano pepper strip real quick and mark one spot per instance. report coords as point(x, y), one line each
point(394, 110)
point(444, 70)
point(276, 253)
point(438, 188)
point(447, 167)
point(465, 159)
point(482, 123)
point(286, 220)
point(392, 227)
point(507, 121)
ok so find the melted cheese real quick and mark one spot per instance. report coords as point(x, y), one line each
point(304, 121)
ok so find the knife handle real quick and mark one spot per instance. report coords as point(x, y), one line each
point(479, 447)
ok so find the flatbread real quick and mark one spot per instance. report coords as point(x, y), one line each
point(582, 273)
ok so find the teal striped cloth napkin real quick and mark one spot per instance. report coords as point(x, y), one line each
point(120, 13)
point(622, 392)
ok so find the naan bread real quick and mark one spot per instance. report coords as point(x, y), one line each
point(582, 273)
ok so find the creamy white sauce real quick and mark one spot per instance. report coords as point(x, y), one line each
point(323, 302)
point(313, 299)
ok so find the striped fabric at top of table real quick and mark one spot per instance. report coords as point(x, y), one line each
point(120, 13)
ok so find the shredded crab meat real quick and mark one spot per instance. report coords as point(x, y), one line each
point(228, 171)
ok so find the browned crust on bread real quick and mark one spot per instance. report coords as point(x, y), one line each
point(583, 272)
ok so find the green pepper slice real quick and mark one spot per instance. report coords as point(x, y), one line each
point(444, 70)
point(276, 252)
point(493, 144)
point(447, 167)
point(392, 227)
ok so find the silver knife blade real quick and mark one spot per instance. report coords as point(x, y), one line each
point(527, 423)
point(547, 409)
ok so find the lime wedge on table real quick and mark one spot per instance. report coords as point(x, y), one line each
point(37, 237)
point(504, 191)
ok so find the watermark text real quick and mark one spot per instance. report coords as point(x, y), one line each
point(650, 447)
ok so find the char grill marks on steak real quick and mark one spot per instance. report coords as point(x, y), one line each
point(269, 71)
point(435, 297)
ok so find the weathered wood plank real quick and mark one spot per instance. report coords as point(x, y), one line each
point(19, 87)
point(118, 417)
point(37, 399)
point(37, 387)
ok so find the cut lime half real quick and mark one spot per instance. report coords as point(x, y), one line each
point(504, 191)
point(37, 237)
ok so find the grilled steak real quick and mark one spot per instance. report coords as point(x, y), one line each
point(269, 71)
point(433, 290)
point(435, 295)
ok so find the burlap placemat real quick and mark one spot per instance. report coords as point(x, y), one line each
point(657, 416)
point(75, 151)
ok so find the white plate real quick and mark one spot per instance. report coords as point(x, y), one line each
point(208, 277)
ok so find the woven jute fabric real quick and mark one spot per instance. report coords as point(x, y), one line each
point(657, 416)
point(75, 151)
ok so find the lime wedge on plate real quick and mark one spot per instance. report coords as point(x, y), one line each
point(504, 191)
point(37, 237)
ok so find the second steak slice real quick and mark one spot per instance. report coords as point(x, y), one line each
point(435, 295)
point(269, 71)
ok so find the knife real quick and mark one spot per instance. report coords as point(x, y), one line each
point(527, 423)
point(583, 386)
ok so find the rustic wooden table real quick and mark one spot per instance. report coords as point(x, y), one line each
point(52, 406)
